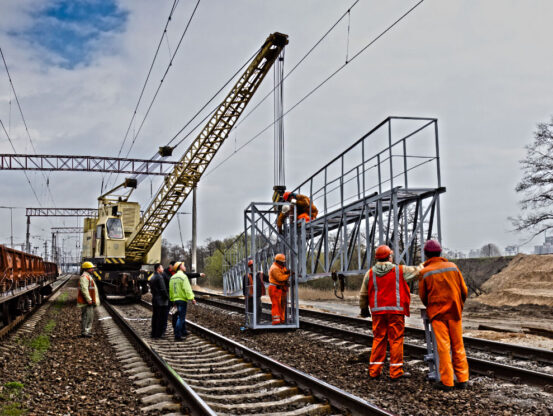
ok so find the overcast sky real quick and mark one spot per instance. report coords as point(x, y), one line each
point(484, 69)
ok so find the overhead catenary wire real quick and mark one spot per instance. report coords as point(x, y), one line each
point(318, 86)
point(169, 65)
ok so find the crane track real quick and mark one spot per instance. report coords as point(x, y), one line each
point(477, 365)
point(212, 374)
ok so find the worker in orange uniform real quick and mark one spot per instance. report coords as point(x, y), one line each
point(443, 291)
point(247, 290)
point(385, 290)
point(305, 210)
point(279, 276)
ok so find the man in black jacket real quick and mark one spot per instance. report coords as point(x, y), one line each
point(160, 301)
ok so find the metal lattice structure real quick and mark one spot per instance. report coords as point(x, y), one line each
point(189, 169)
point(61, 212)
point(384, 189)
point(85, 164)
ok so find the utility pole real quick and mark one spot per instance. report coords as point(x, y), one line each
point(194, 235)
point(45, 250)
point(278, 79)
point(28, 235)
point(11, 227)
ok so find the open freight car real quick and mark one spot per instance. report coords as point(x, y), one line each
point(24, 280)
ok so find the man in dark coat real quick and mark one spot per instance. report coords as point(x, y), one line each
point(167, 273)
point(160, 301)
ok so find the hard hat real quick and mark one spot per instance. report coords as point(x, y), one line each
point(382, 252)
point(286, 209)
point(432, 246)
point(280, 257)
point(288, 195)
point(177, 265)
point(87, 265)
point(250, 263)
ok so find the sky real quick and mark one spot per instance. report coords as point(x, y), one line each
point(481, 68)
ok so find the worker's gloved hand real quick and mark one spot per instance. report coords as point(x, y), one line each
point(365, 313)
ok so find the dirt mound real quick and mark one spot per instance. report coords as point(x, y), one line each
point(528, 279)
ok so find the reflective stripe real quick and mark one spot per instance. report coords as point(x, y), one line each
point(375, 289)
point(445, 269)
point(395, 365)
point(387, 308)
point(376, 362)
point(397, 286)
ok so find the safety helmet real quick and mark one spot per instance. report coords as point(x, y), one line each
point(432, 246)
point(280, 257)
point(250, 263)
point(382, 252)
point(288, 195)
point(177, 265)
point(87, 265)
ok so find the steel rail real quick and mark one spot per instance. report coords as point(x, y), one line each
point(516, 351)
point(321, 390)
point(191, 402)
point(22, 318)
point(476, 365)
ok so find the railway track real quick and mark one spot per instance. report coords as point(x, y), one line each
point(211, 374)
point(34, 314)
point(355, 330)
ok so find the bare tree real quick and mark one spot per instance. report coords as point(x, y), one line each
point(490, 250)
point(536, 185)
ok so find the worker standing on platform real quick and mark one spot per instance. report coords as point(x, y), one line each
point(279, 277)
point(87, 298)
point(247, 289)
point(443, 291)
point(180, 292)
point(385, 290)
point(160, 301)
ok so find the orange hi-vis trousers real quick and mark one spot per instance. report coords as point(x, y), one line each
point(278, 301)
point(389, 328)
point(449, 342)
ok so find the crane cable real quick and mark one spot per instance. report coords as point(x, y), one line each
point(312, 91)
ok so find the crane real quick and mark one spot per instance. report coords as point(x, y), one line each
point(121, 240)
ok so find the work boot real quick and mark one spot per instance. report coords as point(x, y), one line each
point(462, 385)
point(404, 375)
point(441, 386)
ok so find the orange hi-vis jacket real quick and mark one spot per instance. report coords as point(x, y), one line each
point(442, 289)
point(278, 275)
point(389, 293)
point(303, 204)
point(91, 291)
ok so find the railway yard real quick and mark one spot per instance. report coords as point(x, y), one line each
point(230, 370)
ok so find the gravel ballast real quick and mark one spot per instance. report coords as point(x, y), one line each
point(349, 371)
point(52, 371)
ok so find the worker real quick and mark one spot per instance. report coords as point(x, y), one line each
point(180, 292)
point(279, 277)
point(160, 302)
point(443, 291)
point(305, 210)
point(88, 298)
point(385, 291)
point(247, 290)
point(167, 273)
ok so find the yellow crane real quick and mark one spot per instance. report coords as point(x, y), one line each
point(121, 240)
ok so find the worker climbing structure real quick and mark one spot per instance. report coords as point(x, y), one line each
point(383, 189)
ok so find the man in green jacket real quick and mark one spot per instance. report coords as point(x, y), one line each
point(180, 292)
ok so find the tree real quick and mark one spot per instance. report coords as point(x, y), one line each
point(490, 250)
point(536, 185)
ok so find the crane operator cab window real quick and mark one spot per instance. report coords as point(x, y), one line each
point(114, 228)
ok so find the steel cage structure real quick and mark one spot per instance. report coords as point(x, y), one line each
point(383, 189)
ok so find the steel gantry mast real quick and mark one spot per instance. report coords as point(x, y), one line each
point(189, 169)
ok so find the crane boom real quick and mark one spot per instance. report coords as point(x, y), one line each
point(189, 169)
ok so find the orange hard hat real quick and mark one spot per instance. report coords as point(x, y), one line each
point(250, 263)
point(287, 195)
point(382, 252)
point(280, 257)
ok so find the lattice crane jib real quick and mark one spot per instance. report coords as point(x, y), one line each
point(188, 171)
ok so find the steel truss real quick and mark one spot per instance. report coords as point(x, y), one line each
point(365, 198)
point(85, 164)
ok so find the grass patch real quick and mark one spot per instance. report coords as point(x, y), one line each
point(39, 346)
point(9, 396)
point(60, 301)
point(49, 327)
